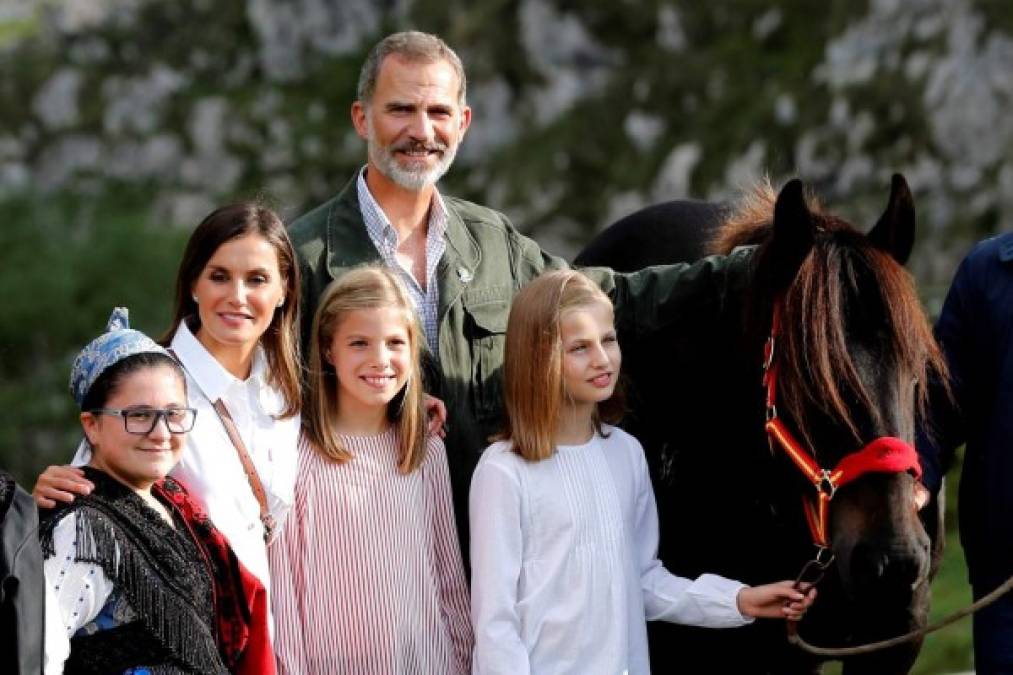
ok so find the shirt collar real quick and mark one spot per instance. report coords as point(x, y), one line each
point(210, 376)
point(378, 224)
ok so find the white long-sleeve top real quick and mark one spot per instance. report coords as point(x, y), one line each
point(75, 593)
point(368, 572)
point(210, 466)
point(564, 563)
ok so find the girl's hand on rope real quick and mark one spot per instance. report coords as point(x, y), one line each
point(60, 484)
point(921, 495)
point(776, 601)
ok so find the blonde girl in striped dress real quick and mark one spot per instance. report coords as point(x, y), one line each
point(367, 572)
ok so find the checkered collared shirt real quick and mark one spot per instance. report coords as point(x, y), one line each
point(385, 239)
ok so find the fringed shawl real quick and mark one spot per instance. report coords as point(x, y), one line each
point(160, 569)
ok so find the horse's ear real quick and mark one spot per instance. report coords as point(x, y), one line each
point(794, 231)
point(895, 231)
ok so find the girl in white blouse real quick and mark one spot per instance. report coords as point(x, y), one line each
point(235, 332)
point(368, 572)
point(564, 529)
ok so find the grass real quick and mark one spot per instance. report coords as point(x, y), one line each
point(949, 650)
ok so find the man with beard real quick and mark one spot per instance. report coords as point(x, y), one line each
point(462, 262)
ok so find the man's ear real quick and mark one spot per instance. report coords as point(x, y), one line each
point(359, 119)
point(465, 120)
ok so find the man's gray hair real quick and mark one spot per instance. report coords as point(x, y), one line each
point(412, 46)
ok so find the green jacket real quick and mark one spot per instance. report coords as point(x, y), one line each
point(485, 263)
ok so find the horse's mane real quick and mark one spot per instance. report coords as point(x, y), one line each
point(816, 367)
point(750, 218)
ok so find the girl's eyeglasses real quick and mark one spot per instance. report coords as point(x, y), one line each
point(142, 421)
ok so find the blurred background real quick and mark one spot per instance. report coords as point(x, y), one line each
point(123, 122)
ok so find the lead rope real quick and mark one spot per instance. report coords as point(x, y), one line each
point(840, 652)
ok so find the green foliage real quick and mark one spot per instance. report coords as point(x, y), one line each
point(13, 31)
point(67, 261)
point(718, 91)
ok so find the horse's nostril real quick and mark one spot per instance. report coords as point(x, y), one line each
point(873, 566)
point(868, 565)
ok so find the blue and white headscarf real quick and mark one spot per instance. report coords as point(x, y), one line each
point(118, 342)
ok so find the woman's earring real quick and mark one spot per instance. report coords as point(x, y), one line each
point(194, 297)
point(281, 302)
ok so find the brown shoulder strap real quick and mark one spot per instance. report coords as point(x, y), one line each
point(248, 466)
point(244, 458)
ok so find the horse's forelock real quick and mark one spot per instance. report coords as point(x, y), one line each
point(817, 368)
point(913, 341)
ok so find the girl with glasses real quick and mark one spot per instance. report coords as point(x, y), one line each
point(138, 579)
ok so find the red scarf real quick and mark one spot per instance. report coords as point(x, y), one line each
point(241, 614)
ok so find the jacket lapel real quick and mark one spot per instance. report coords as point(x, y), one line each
point(347, 246)
point(459, 265)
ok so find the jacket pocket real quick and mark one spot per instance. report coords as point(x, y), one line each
point(485, 326)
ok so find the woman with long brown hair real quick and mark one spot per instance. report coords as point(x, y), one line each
point(235, 333)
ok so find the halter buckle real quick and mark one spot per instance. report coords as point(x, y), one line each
point(826, 484)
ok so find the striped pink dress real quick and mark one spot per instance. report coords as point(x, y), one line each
point(366, 574)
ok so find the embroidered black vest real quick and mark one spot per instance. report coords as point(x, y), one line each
point(159, 570)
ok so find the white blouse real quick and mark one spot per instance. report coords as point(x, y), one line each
point(210, 466)
point(564, 563)
point(75, 593)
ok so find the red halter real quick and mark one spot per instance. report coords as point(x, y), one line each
point(885, 454)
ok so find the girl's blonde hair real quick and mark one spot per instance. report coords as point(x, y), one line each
point(366, 287)
point(532, 369)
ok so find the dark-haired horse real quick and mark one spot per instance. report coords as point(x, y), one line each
point(853, 353)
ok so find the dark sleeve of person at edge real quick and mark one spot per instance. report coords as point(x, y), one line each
point(945, 428)
point(975, 329)
point(22, 590)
